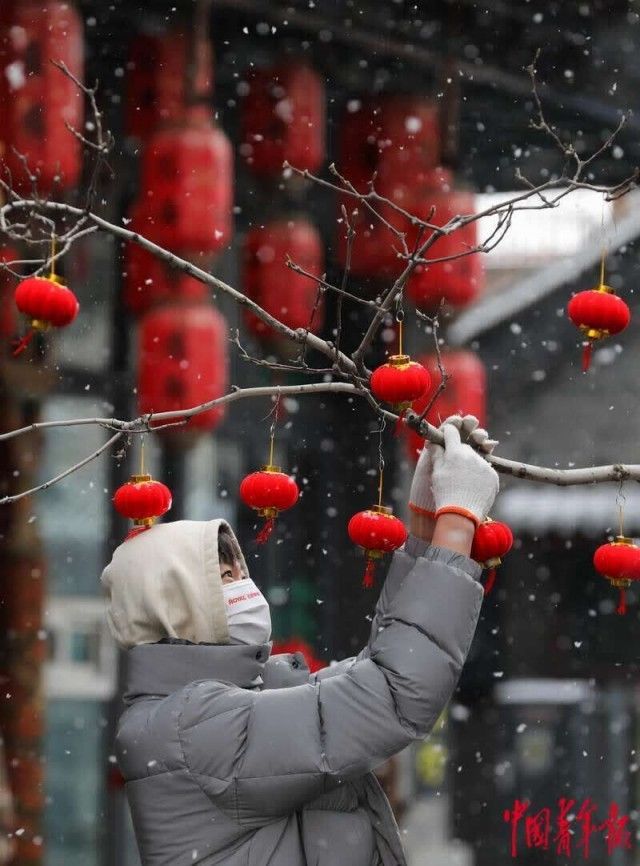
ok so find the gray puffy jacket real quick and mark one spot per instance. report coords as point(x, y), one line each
point(237, 758)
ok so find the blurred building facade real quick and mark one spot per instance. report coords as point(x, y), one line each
point(508, 734)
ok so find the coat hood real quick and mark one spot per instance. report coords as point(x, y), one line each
point(165, 582)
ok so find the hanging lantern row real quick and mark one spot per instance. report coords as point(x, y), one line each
point(267, 280)
point(37, 99)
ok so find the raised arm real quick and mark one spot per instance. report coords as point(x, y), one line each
point(282, 747)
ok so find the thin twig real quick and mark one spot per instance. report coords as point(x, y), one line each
point(444, 377)
point(7, 500)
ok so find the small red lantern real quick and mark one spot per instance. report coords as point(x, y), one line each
point(377, 531)
point(619, 563)
point(142, 500)
point(47, 302)
point(183, 362)
point(269, 492)
point(465, 394)
point(157, 79)
point(285, 294)
point(283, 119)
point(492, 541)
point(187, 186)
point(149, 281)
point(400, 381)
point(598, 313)
point(37, 100)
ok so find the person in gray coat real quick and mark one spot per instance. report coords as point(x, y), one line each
point(234, 757)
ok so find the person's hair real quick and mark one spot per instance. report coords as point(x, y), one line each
point(228, 548)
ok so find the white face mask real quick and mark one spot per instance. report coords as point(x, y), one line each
point(248, 614)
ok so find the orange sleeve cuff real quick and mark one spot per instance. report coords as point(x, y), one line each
point(424, 511)
point(461, 512)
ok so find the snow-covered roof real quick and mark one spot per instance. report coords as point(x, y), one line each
point(578, 250)
point(590, 510)
point(543, 691)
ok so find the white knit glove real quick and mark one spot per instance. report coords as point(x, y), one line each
point(462, 481)
point(421, 495)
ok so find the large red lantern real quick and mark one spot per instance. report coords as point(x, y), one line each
point(7, 288)
point(187, 186)
point(283, 119)
point(149, 281)
point(285, 294)
point(37, 100)
point(399, 381)
point(157, 79)
point(492, 540)
point(183, 362)
point(465, 393)
point(268, 492)
point(598, 313)
point(142, 500)
point(619, 563)
point(437, 201)
point(377, 531)
point(47, 302)
point(390, 137)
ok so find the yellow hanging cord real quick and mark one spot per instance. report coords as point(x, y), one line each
point(380, 488)
point(52, 272)
point(604, 244)
point(621, 515)
point(271, 450)
point(400, 337)
point(142, 456)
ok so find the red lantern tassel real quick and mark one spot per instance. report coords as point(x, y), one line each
point(21, 345)
point(266, 530)
point(622, 604)
point(398, 425)
point(586, 356)
point(369, 572)
point(491, 579)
